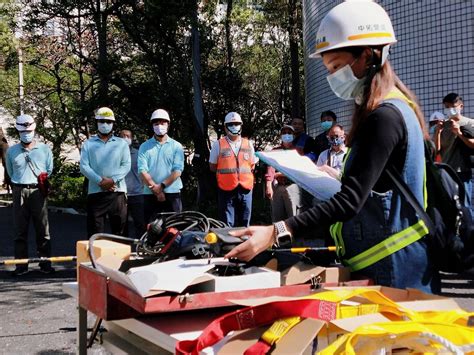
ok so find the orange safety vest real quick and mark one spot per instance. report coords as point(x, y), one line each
point(233, 170)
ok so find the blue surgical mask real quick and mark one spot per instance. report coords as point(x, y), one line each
point(27, 136)
point(336, 141)
point(452, 111)
point(345, 84)
point(326, 125)
point(287, 138)
point(104, 127)
point(128, 140)
point(432, 130)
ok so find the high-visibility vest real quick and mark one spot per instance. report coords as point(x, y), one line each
point(392, 243)
point(234, 170)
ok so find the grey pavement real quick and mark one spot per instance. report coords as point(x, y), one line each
point(36, 317)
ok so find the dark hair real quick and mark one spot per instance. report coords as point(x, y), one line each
point(297, 118)
point(452, 98)
point(329, 113)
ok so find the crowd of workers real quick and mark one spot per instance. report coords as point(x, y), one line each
point(388, 130)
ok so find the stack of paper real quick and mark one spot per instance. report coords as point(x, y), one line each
point(303, 172)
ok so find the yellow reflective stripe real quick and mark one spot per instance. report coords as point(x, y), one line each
point(336, 234)
point(278, 329)
point(322, 45)
point(388, 246)
point(369, 35)
point(397, 94)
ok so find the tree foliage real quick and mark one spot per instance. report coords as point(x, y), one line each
point(136, 56)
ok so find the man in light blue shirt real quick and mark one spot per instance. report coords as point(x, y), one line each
point(105, 161)
point(24, 162)
point(160, 163)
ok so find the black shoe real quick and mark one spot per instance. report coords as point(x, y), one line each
point(46, 268)
point(20, 270)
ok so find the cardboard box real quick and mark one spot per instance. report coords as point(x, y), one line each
point(101, 248)
point(301, 273)
point(254, 278)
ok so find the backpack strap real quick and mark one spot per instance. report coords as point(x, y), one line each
point(403, 188)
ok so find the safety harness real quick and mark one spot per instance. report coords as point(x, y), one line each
point(330, 305)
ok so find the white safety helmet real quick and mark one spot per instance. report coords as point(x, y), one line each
point(25, 123)
point(104, 113)
point(160, 114)
point(354, 23)
point(232, 117)
point(437, 116)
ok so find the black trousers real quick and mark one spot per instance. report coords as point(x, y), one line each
point(136, 209)
point(106, 204)
point(153, 206)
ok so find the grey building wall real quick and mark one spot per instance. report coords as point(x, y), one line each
point(434, 55)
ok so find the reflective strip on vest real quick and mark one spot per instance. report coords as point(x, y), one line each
point(336, 229)
point(388, 246)
point(234, 170)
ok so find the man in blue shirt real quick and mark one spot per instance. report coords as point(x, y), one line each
point(24, 162)
point(105, 161)
point(160, 163)
point(135, 207)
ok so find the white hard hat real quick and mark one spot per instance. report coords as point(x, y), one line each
point(160, 114)
point(437, 116)
point(354, 23)
point(25, 123)
point(232, 117)
point(104, 113)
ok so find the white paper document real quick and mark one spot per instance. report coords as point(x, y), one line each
point(302, 171)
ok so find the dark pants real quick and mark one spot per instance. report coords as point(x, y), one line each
point(153, 206)
point(30, 203)
point(235, 207)
point(135, 209)
point(106, 204)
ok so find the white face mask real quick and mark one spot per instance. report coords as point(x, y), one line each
point(287, 138)
point(27, 136)
point(160, 129)
point(452, 111)
point(345, 84)
point(235, 130)
point(128, 140)
point(104, 127)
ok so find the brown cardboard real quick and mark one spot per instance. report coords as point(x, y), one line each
point(297, 341)
point(301, 273)
point(101, 248)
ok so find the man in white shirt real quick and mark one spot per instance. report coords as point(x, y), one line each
point(332, 160)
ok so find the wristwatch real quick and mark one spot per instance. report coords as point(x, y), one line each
point(281, 234)
point(163, 186)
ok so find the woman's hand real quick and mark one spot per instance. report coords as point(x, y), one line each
point(260, 239)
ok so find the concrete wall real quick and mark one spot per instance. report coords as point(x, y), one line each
point(434, 55)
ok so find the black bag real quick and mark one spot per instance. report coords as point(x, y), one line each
point(451, 238)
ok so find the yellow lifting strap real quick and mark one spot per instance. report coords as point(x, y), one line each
point(422, 337)
point(379, 303)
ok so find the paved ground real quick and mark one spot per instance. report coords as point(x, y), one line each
point(36, 317)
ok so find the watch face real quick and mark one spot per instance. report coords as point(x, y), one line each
point(284, 241)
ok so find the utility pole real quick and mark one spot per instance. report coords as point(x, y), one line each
point(20, 79)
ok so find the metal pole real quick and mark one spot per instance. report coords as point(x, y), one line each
point(20, 78)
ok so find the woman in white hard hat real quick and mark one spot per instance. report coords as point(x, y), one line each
point(378, 233)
